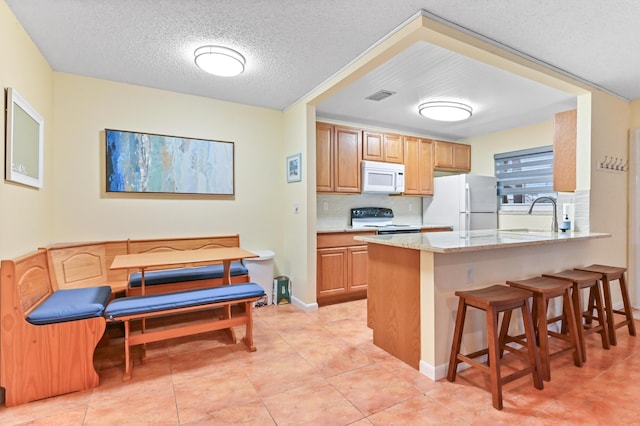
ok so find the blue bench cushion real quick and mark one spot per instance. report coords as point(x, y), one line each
point(167, 276)
point(70, 305)
point(158, 302)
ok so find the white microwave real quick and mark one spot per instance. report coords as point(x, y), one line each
point(382, 178)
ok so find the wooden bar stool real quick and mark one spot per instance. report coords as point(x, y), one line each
point(608, 274)
point(493, 300)
point(544, 289)
point(580, 281)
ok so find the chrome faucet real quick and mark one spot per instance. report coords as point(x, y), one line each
point(554, 220)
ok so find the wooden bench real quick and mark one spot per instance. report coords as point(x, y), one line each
point(132, 308)
point(48, 336)
point(81, 265)
point(86, 264)
point(188, 276)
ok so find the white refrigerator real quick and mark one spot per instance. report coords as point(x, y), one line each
point(466, 202)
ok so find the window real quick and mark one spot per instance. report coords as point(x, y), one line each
point(524, 175)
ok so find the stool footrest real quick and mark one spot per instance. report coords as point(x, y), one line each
point(472, 362)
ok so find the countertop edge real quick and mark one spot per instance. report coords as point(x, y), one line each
point(416, 242)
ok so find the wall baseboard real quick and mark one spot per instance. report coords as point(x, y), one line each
point(306, 307)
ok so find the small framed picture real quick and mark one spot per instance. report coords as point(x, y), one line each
point(294, 168)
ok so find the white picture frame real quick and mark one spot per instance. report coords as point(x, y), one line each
point(294, 168)
point(24, 142)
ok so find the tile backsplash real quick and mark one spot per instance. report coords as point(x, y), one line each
point(580, 200)
point(335, 210)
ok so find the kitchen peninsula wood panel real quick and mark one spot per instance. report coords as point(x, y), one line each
point(393, 301)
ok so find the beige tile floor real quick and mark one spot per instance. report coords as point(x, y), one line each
point(321, 368)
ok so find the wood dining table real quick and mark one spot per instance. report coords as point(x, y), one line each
point(181, 258)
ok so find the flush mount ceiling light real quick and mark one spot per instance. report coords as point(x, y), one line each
point(445, 111)
point(218, 60)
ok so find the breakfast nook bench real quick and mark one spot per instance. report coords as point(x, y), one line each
point(131, 308)
point(48, 335)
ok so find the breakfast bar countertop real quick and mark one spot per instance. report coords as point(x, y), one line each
point(461, 241)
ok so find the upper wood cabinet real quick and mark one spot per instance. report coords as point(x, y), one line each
point(418, 166)
point(451, 156)
point(564, 151)
point(387, 147)
point(372, 146)
point(324, 157)
point(393, 148)
point(338, 157)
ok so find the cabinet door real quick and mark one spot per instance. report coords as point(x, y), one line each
point(411, 165)
point(461, 157)
point(324, 156)
point(452, 156)
point(418, 166)
point(443, 152)
point(358, 258)
point(372, 146)
point(564, 151)
point(425, 166)
point(393, 148)
point(332, 272)
point(347, 158)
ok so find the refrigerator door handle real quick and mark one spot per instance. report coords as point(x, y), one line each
point(468, 207)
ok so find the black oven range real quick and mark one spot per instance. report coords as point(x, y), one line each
point(381, 219)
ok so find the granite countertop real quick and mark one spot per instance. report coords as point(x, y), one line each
point(455, 241)
point(328, 229)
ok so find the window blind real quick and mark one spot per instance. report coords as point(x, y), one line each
point(524, 175)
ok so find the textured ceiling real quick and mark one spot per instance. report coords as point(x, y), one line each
point(292, 46)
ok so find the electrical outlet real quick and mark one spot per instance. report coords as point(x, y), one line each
point(325, 206)
point(410, 207)
point(296, 208)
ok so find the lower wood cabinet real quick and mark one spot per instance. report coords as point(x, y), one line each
point(342, 267)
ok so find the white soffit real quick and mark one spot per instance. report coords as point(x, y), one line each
point(424, 72)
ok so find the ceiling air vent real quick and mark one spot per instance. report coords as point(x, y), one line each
point(380, 95)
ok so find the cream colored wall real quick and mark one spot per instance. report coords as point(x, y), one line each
point(82, 210)
point(25, 219)
point(300, 237)
point(634, 244)
point(635, 114)
point(608, 207)
point(484, 147)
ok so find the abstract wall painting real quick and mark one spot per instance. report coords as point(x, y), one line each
point(151, 163)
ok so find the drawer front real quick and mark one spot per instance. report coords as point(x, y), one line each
point(341, 239)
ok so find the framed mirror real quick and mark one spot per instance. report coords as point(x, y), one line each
point(24, 141)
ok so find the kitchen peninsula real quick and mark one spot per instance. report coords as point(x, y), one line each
point(413, 277)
